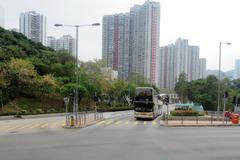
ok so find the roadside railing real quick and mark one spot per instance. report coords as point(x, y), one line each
point(84, 118)
point(209, 118)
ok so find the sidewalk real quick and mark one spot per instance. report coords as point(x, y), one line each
point(189, 123)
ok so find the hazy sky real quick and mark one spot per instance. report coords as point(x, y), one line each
point(203, 22)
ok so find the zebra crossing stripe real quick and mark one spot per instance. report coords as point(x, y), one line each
point(154, 123)
point(12, 128)
point(102, 122)
point(44, 125)
point(25, 126)
point(109, 122)
point(144, 122)
point(127, 122)
point(34, 126)
point(54, 124)
point(118, 122)
point(3, 128)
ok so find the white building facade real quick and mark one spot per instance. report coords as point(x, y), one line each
point(64, 43)
point(180, 58)
point(237, 69)
point(144, 40)
point(130, 41)
point(33, 26)
point(115, 43)
point(202, 68)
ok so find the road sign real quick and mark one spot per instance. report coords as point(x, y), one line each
point(66, 100)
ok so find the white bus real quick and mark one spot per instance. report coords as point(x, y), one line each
point(146, 103)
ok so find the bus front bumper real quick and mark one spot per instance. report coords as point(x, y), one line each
point(143, 115)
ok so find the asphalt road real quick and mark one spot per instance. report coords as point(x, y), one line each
point(122, 138)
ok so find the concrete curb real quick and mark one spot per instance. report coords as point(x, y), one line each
point(78, 127)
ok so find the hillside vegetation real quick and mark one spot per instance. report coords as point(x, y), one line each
point(34, 79)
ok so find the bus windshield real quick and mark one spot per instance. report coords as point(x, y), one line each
point(144, 94)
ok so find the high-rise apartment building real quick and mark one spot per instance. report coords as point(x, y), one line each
point(51, 42)
point(180, 58)
point(193, 63)
point(2, 17)
point(202, 68)
point(237, 69)
point(33, 26)
point(167, 66)
point(131, 41)
point(115, 43)
point(144, 40)
point(65, 43)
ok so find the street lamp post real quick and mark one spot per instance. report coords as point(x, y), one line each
point(219, 76)
point(75, 101)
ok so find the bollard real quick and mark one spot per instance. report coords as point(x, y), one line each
point(66, 120)
point(85, 118)
point(80, 120)
point(197, 119)
point(211, 118)
point(72, 121)
point(182, 119)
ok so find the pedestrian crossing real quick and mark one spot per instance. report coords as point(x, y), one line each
point(58, 124)
point(128, 123)
point(30, 125)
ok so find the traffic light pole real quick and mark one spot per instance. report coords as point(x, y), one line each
point(167, 114)
point(224, 108)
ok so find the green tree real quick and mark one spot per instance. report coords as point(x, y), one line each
point(23, 77)
point(181, 87)
point(47, 85)
point(4, 83)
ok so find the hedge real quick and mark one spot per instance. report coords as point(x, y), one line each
point(186, 113)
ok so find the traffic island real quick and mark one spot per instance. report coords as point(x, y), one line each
point(83, 125)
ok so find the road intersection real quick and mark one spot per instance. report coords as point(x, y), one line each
point(119, 137)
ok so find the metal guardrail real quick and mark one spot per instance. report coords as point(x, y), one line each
point(83, 118)
point(209, 118)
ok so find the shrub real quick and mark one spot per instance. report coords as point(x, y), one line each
point(52, 110)
point(185, 113)
point(17, 116)
point(39, 110)
point(23, 111)
point(7, 113)
point(24, 107)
